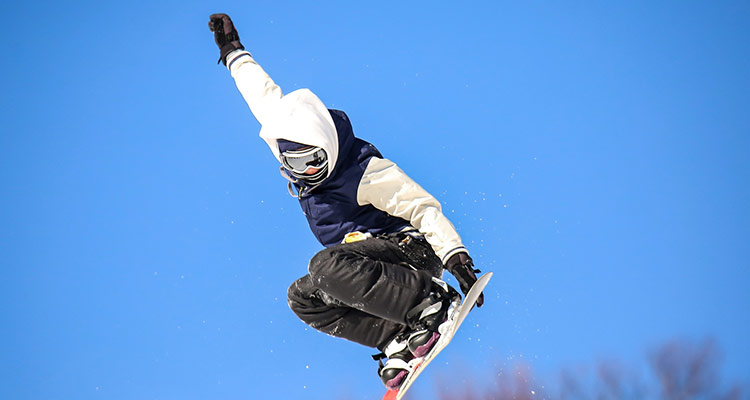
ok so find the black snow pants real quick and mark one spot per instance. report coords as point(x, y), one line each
point(362, 291)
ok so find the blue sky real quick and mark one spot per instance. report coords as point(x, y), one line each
point(592, 155)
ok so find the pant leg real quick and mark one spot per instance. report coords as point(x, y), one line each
point(326, 314)
point(373, 276)
point(362, 291)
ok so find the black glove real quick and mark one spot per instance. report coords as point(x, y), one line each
point(462, 267)
point(225, 35)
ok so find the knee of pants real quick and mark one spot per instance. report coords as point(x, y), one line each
point(298, 294)
point(320, 263)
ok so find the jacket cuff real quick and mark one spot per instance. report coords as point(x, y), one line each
point(236, 55)
point(457, 250)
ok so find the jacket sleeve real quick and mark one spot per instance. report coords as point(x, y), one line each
point(386, 187)
point(257, 88)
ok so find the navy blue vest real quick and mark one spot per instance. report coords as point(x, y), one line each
point(331, 208)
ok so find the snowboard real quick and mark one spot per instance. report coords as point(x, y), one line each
point(447, 330)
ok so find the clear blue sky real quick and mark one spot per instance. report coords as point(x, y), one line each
point(593, 155)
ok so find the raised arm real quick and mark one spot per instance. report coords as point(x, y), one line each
point(257, 88)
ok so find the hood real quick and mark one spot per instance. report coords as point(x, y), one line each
point(301, 117)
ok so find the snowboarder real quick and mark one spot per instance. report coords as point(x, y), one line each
point(387, 242)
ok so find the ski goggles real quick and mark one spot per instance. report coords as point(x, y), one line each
point(300, 161)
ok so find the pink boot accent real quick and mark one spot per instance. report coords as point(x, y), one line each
point(425, 348)
point(397, 380)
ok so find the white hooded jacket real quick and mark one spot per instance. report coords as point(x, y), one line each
point(301, 117)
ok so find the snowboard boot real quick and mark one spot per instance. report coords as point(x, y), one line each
point(426, 318)
point(395, 370)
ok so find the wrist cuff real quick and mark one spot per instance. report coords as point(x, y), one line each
point(450, 254)
point(235, 56)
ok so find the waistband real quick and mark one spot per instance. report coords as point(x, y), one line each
point(409, 231)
